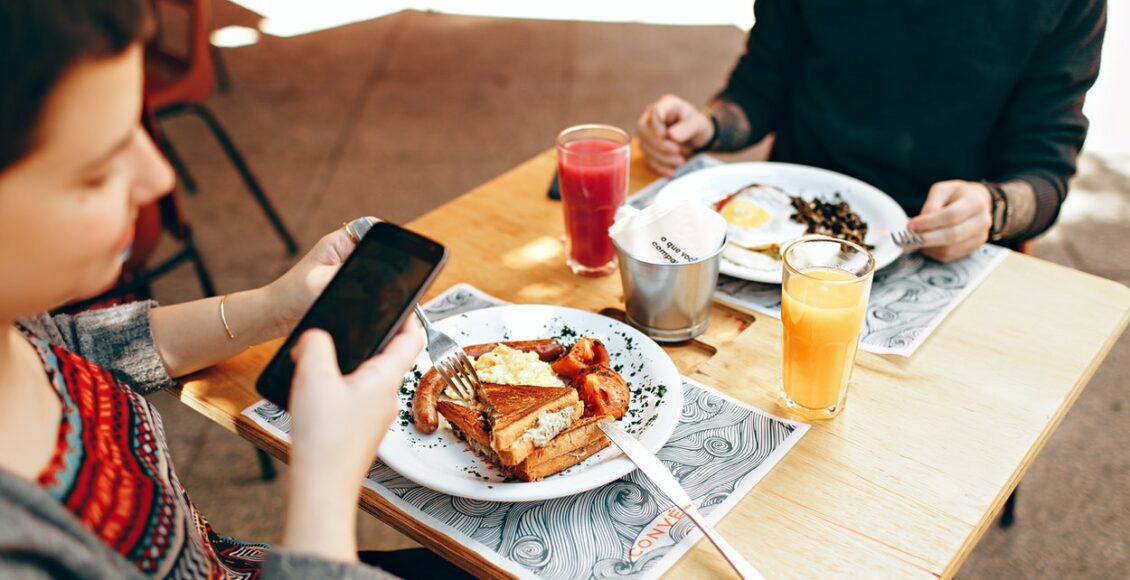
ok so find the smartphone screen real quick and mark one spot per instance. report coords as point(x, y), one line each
point(364, 304)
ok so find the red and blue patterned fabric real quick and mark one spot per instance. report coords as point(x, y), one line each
point(112, 470)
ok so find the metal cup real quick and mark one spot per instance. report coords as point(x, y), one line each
point(669, 302)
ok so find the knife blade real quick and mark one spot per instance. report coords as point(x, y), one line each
point(658, 473)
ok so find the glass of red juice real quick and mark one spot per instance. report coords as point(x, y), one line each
point(592, 173)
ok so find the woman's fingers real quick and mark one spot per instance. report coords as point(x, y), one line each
point(315, 360)
point(395, 360)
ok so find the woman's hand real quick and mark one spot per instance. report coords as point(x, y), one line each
point(194, 335)
point(670, 130)
point(294, 292)
point(337, 424)
point(955, 219)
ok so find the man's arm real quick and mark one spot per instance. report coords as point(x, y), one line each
point(732, 130)
point(761, 82)
point(1042, 127)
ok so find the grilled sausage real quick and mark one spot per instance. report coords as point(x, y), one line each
point(431, 384)
point(548, 349)
point(424, 402)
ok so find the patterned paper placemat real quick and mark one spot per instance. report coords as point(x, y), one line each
point(909, 298)
point(626, 529)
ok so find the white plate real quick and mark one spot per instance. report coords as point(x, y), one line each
point(442, 462)
point(882, 214)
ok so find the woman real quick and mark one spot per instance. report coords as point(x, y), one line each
point(86, 484)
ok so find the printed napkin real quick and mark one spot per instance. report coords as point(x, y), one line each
point(672, 234)
point(909, 298)
point(627, 528)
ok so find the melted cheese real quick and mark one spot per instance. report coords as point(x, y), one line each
point(549, 425)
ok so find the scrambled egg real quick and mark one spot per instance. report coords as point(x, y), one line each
point(507, 366)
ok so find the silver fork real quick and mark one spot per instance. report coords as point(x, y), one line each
point(906, 238)
point(450, 362)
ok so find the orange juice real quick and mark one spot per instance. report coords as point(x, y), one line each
point(822, 310)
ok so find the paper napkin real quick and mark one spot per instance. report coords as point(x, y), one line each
point(668, 233)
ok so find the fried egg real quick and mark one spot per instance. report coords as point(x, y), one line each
point(759, 216)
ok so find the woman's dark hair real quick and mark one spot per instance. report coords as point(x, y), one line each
point(40, 40)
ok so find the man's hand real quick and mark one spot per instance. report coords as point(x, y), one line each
point(670, 130)
point(955, 219)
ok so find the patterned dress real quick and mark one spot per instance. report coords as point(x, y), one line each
point(112, 470)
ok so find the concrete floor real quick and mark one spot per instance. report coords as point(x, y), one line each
point(396, 115)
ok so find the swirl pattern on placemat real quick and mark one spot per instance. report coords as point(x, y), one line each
point(624, 529)
point(457, 300)
point(909, 298)
point(273, 416)
point(715, 446)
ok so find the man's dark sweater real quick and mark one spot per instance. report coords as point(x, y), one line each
point(903, 94)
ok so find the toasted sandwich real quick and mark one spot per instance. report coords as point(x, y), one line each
point(573, 445)
point(524, 418)
point(469, 425)
point(576, 443)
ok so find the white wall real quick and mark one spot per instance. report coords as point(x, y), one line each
point(1108, 103)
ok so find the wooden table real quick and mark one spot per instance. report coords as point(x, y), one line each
point(902, 484)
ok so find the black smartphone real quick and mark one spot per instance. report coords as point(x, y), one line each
point(554, 191)
point(364, 304)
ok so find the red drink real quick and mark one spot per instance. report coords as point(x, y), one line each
point(593, 178)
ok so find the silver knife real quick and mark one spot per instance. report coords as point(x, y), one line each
point(654, 469)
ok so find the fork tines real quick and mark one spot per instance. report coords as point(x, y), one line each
point(458, 373)
point(906, 238)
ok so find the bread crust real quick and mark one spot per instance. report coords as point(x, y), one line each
point(514, 410)
point(576, 443)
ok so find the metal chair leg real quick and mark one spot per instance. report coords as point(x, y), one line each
point(240, 165)
point(1008, 513)
point(198, 264)
point(179, 167)
point(266, 466)
point(223, 82)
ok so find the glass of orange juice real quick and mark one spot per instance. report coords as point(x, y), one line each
point(824, 291)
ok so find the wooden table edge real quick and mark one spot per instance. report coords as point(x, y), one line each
point(992, 514)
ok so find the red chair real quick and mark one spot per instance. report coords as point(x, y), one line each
point(178, 82)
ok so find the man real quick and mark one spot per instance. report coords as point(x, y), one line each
point(968, 113)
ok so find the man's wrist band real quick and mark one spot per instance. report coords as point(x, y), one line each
point(998, 211)
point(713, 138)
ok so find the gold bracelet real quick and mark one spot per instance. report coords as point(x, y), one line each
point(224, 317)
